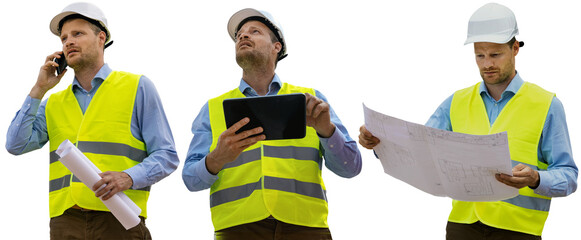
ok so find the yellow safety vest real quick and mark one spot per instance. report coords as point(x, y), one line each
point(523, 118)
point(281, 178)
point(103, 134)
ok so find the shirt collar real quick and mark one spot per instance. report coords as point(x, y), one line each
point(273, 88)
point(101, 75)
point(513, 86)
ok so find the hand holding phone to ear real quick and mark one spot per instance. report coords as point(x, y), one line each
point(47, 78)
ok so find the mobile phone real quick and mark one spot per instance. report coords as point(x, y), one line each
point(62, 62)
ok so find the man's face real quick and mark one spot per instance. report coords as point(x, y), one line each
point(81, 46)
point(254, 45)
point(495, 61)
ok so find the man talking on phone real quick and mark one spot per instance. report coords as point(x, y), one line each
point(266, 189)
point(116, 118)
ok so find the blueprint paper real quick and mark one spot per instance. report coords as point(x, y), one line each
point(121, 206)
point(442, 163)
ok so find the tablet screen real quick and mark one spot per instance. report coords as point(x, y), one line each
point(281, 116)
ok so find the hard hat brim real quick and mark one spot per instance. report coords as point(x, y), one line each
point(55, 22)
point(240, 16)
point(488, 38)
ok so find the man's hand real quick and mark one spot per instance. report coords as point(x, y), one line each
point(318, 116)
point(115, 182)
point(230, 145)
point(366, 139)
point(522, 176)
point(47, 78)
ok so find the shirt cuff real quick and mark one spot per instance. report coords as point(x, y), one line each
point(30, 105)
point(335, 142)
point(544, 187)
point(136, 176)
point(202, 172)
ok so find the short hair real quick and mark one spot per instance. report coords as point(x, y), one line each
point(511, 42)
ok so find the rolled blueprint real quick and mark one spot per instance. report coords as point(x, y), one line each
point(121, 206)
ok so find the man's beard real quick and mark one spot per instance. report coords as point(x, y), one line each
point(502, 78)
point(82, 62)
point(250, 59)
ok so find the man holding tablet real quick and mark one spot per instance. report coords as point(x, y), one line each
point(263, 188)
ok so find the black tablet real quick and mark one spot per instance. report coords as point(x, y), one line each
point(281, 116)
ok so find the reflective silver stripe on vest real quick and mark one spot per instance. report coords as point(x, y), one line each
point(299, 153)
point(243, 158)
point(282, 184)
point(291, 185)
point(59, 183)
point(53, 157)
point(108, 148)
point(530, 202)
point(75, 179)
point(117, 149)
point(234, 193)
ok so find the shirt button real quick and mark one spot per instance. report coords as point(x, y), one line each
point(331, 146)
point(345, 163)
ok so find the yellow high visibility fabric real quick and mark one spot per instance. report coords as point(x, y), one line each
point(107, 119)
point(285, 206)
point(523, 118)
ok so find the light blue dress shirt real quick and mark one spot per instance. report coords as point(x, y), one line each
point(340, 151)
point(560, 178)
point(28, 130)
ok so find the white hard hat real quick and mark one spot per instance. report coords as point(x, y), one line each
point(243, 15)
point(85, 9)
point(492, 23)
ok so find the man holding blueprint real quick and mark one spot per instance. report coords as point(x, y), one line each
point(115, 118)
point(534, 121)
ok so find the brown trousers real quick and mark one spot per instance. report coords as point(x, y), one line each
point(93, 225)
point(272, 229)
point(480, 231)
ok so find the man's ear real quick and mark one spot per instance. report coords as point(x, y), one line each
point(516, 47)
point(277, 47)
point(102, 38)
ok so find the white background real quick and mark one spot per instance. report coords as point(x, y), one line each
point(402, 58)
